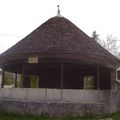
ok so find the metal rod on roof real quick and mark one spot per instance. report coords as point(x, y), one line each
point(58, 12)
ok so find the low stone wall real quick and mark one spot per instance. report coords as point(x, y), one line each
point(51, 108)
point(56, 102)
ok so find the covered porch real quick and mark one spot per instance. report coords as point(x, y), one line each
point(62, 75)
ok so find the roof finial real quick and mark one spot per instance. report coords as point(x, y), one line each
point(58, 12)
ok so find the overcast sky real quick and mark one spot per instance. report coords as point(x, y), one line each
point(20, 17)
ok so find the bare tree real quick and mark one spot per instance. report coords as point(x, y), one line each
point(110, 44)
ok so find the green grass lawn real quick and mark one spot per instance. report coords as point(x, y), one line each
point(5, 116)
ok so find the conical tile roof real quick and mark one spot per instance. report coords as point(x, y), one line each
point(59, 38)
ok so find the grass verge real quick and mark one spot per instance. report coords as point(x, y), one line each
point(6, 116)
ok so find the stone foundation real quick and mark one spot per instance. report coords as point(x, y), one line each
point(52, 108)
point(56, 102)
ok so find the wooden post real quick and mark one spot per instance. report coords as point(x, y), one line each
point(62, 70)
point(98, 82)
point(98, 78)
point(62, 79)
point(3, 77)
point(16, 80)
point(23, 74)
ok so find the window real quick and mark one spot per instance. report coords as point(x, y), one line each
point(88, 82)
